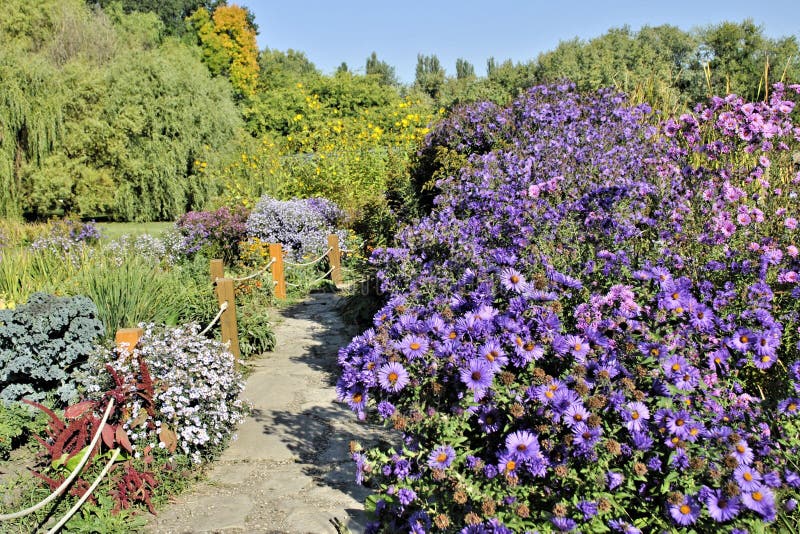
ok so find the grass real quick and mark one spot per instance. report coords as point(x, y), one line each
point(113, 230)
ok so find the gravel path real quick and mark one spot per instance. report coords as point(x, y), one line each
point(289, 471)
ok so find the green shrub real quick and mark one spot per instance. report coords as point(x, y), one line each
point(17, 422)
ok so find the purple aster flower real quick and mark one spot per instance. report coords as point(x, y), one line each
point(356, 399)
point(685, 513)
point(564, 524)
point(741, 340)
point(419, 523)
point(563, 399)
point(413, 346)
point(578, 346)
point(546, 392)
point(361, 462)
point(654, 464)
point(617, 525)
point(764, 361)
point(385, 409)
point(675, 364)
point(507, 464)
point(575, 414)
point(489, 419)
point(760, 500)
point(767, 344)
point(614, 480)
point(720, 507)
point(772, 479)
point(642, 441)
point(585, 437)
point(742, 452)
point(701, 317)
point(441, 457)
point(687, 379)
point(587, 508)
point(747, 477)
point(493, 353)
point(477, 375)
point(513, 280)
point(635, 416)
point(522, 444)
point(677, 424)
point(792, 478)
point(406, 496)
point(393, 377)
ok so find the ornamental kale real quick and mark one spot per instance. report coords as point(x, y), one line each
point(597, 324)
point(44, 346)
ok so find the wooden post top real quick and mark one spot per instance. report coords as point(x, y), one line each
point(128, 338)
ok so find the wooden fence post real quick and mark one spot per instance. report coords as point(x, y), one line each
point(276, 255)
point(230, 332)
point(217, 270)
point(126, 339)
point(335, 259)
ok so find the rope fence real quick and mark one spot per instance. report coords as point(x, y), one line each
point(127, 338)
point(222, 308)
point(60, 489)
point(257, 273)
point(313, 262)
point(226, 292)
point(85, 496)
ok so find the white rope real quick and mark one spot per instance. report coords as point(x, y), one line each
point(324, 276)
point(311, 262)
point(222, 308)
point(68, 481)
point(86, 495)
point(320, 279)
point(255, 274)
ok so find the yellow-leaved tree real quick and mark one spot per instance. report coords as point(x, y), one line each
point(228, 40)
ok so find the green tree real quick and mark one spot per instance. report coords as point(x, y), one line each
point(464, 69)
point(429, 75)
point(171, 12)
point(31, 121)
point(381, 70)
point(742, 60)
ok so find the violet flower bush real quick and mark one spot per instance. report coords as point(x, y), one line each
point(302, 226)
point(213, 233)
point(596, 328)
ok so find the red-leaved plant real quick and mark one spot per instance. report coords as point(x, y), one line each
point(67, 440)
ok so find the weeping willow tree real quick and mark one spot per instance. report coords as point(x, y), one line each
point(31, 121)
point(101, 116)
point(170, 116)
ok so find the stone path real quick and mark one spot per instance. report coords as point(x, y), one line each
point(289, 471)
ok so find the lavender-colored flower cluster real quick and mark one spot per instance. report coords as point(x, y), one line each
point(596, 325)
point(213, 232)
point(302, 226)
point(67, 238)
point(151, 248)
point(196, 385)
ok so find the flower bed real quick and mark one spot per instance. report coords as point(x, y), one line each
point(596, 325)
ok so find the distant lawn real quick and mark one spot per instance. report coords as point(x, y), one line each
point(113, 230)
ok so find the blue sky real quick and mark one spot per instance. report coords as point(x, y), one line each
point(330, 32)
